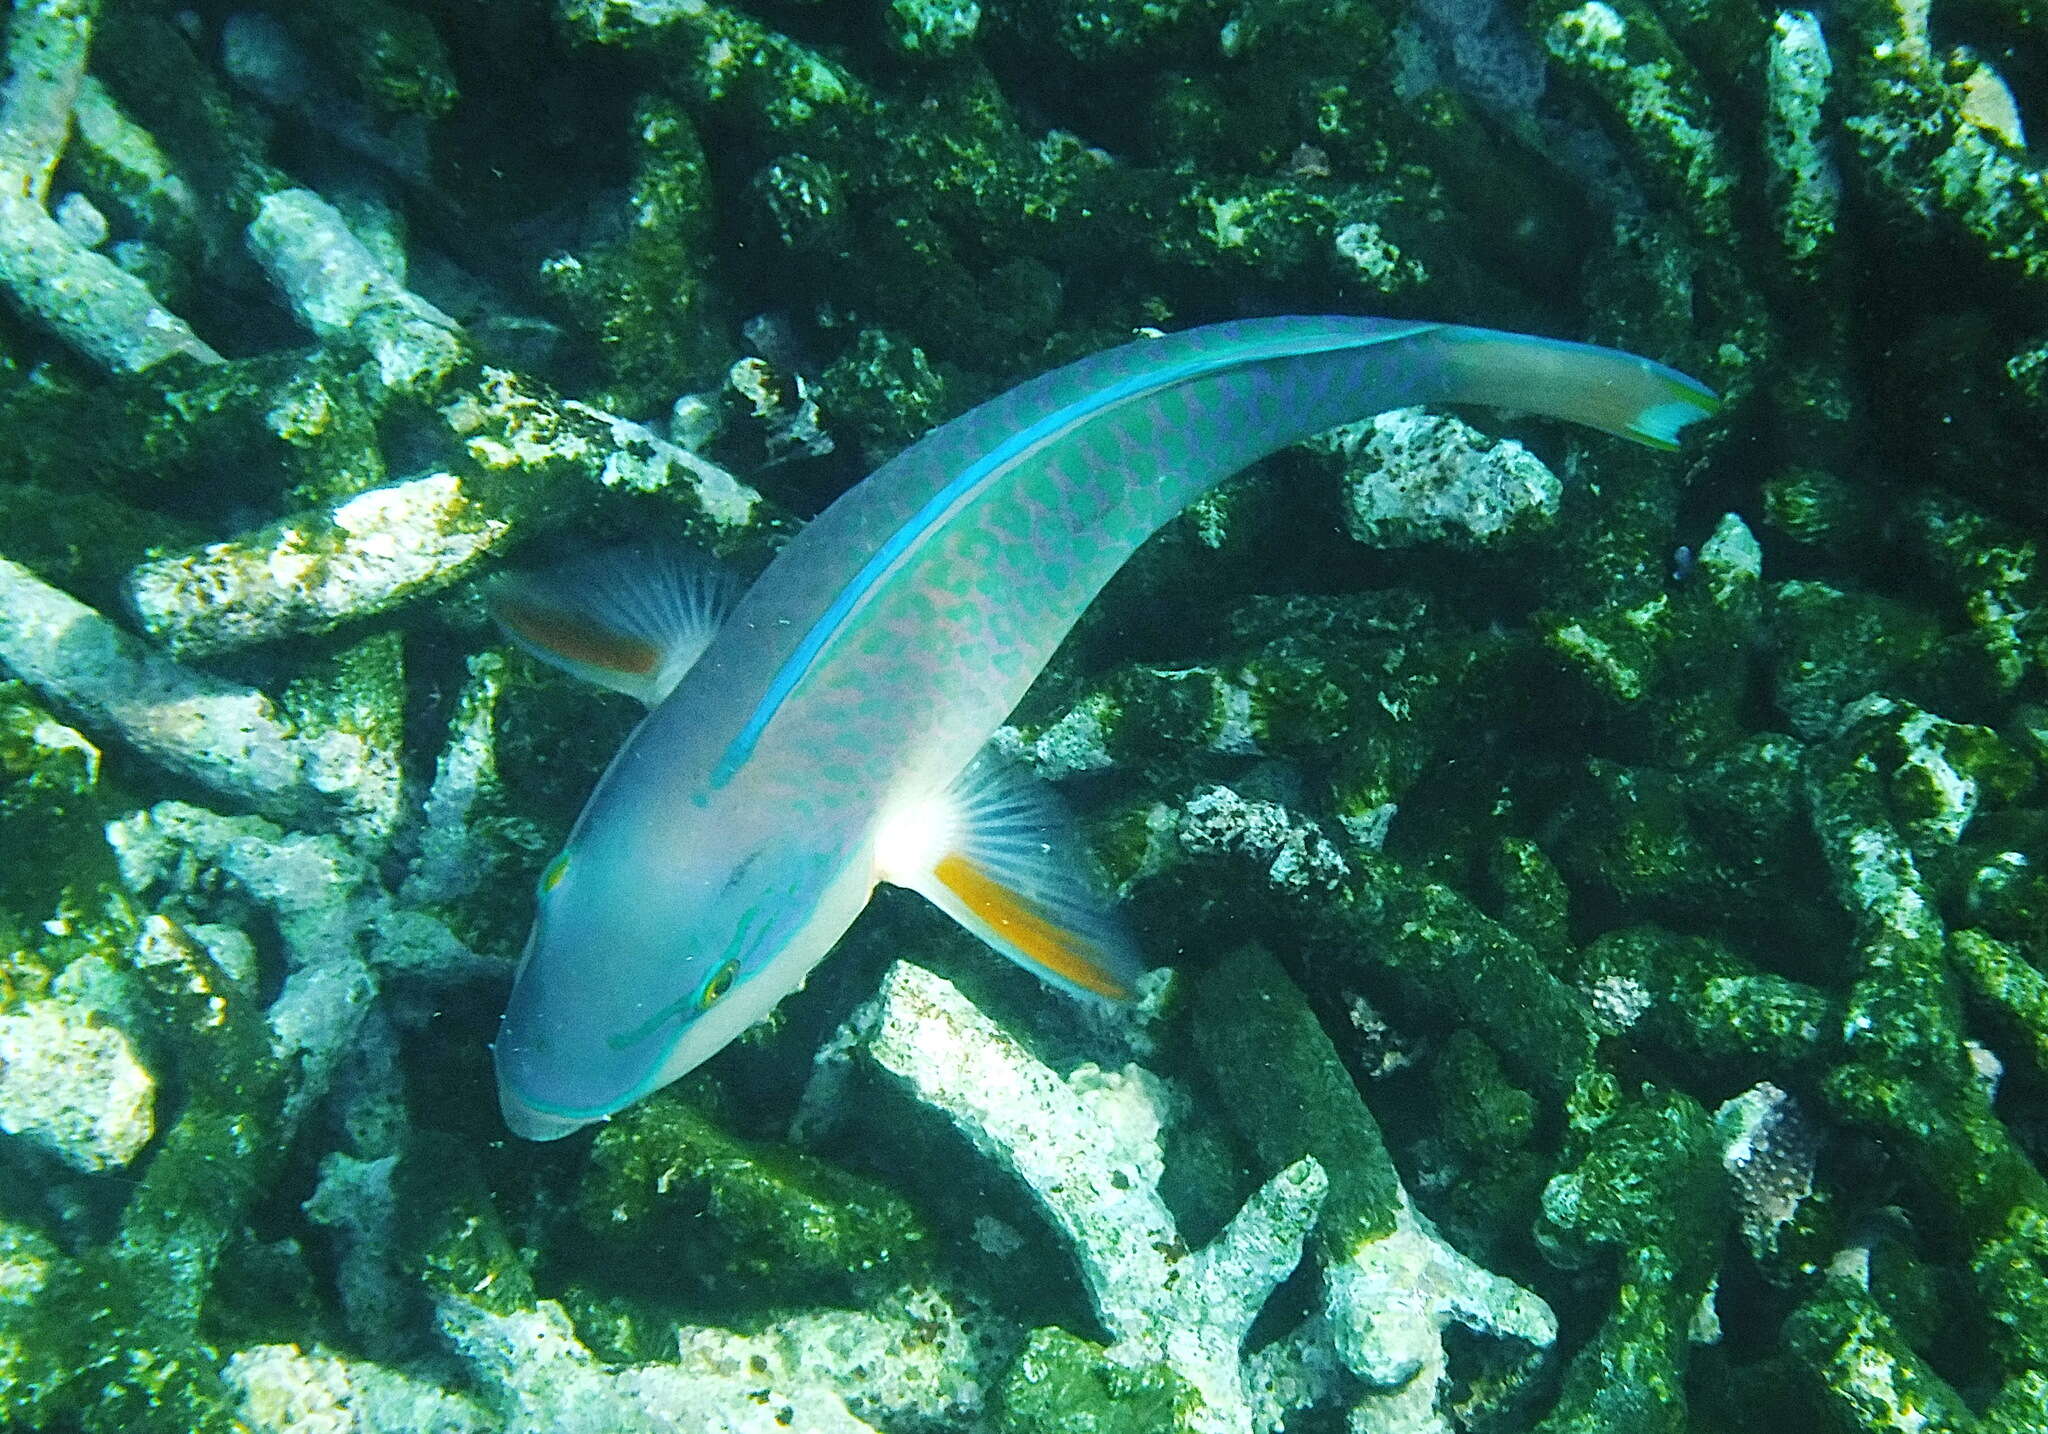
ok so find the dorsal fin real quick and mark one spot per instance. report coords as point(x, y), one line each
point(631, 619)
point(997, 852)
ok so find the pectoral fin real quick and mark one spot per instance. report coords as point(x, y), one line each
point(997, 853)
point(631, 619)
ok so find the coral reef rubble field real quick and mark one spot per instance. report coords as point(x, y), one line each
point(1598, 897)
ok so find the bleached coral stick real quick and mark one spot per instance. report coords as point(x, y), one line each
point(1087, 1146)
point(104, 312)
point(338, 289)
point(46, 48)
point(227, 737)
point(312, 571)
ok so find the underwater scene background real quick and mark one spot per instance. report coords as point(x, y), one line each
point(1597, 895)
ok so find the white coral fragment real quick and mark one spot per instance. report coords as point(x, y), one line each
point(226, 736)
point(338, 288)
point(1419, 477)
point(1299, 857)
point(1087, 1147)
point(800, 1374)
point(283, 1389)
point(74, 1086)
point(1389, 1304)
point(1805, 187)
point(363, 555)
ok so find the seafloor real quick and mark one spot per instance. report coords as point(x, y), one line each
point(1598, 895)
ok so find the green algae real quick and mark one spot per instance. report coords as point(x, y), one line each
point(1704, 1002)
point(1062, 1384)
point(1625, 54)
point(643, 294)
point(668, 1186)
point(50, 803)
point(886, 392)
point(115, 1338)
point(456, 1243)
point(1248, 1014)
point(1447, 953)
point(1484, 1113)
point(2001, 977)
point(1865, 1374)
point(1643, 1182)
point(393, 58)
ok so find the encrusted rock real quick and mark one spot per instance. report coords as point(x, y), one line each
point(74, 1086)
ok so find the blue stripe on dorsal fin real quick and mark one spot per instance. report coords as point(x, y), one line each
point(966, 485)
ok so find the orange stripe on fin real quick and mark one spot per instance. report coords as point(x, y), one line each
point(1026, 930)
point(630, 619)
point(574, 638)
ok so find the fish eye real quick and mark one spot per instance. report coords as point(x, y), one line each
point(721, 982)
point(552, 876)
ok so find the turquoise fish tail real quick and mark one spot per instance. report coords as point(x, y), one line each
point(1618, 393)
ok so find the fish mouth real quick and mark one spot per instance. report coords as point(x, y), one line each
point(530, 1122)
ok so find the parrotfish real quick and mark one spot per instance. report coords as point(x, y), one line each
point(825, 732)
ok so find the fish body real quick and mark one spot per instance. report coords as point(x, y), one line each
point(826, 736)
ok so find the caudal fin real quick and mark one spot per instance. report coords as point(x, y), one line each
point(1602, 388)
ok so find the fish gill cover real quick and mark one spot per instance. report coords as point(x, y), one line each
point(1599, 895)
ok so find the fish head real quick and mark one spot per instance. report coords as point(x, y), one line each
point(647, 957)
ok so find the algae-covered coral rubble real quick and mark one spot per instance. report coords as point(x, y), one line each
point(1601, 891)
